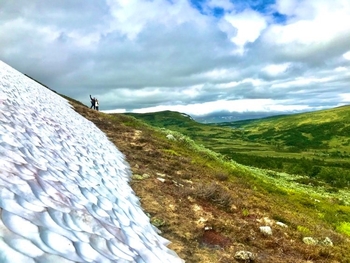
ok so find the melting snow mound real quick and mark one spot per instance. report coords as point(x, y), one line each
point(64, 192)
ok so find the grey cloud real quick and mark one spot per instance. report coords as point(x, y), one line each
point(313, 55)
point(162, 62)
point(79, 15)
point(159, 57)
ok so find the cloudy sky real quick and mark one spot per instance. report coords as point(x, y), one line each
point(193, 56)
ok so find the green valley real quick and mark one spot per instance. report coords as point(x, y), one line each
point(314, 144)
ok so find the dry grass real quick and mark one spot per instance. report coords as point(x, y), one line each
point(197, 195)
point(212, 192)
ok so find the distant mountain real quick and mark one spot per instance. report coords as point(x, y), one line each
point(341, 113)
point(167, 119)
point(219, 117)
point(319, 129)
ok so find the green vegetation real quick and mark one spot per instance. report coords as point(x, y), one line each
point(344, 227)
point(314, 144)
point(304, 230)
point(299, 188)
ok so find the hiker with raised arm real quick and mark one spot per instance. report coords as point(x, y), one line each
point(93, 101)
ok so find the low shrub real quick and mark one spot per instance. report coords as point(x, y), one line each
point(344, 227)
point(304, 230)
point(213, 193)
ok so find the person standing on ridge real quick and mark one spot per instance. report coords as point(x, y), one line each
point(96, 104)
point(93, 102)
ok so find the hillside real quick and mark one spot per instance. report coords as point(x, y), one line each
point(323, 129)
point(211, 209)
point(326, 129)
point(171, 120)
point(181, 122)
point(314, 144)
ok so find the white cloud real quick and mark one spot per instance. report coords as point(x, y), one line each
point(192, 91)
point(132, 16)
point(249, 25)
point(341, 69)
point(276, 69)
point(347, 55)
point(286, 7)
point(345, 98)
point(228, 85)
point(311, 22)
point(216, 74)
point(302, 82)
point(244, 105)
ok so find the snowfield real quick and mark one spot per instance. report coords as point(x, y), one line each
point(64, 192)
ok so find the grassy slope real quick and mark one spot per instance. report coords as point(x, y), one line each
point(277, 143)
point(201, 191)
point(320, 129)
point(183, 123)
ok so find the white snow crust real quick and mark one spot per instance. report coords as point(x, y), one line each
point(64, 192)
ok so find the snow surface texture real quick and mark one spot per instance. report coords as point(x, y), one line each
point(64, 192)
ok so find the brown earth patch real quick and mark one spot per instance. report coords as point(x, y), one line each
point(214, 239)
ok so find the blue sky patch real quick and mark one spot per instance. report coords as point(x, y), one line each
point(279, 18)
point(261, 6)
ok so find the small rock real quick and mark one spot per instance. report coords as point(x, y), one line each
point(245, 256)
point(161, 179)
point(266, 230)
point(207, 227)
point(281, 224)
point(310, 241)
point(171, 137)
point(197, 208)
point(172, 207)
point(190, 199)
point(233, 207)
point(177, 184)
point(327, 242)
